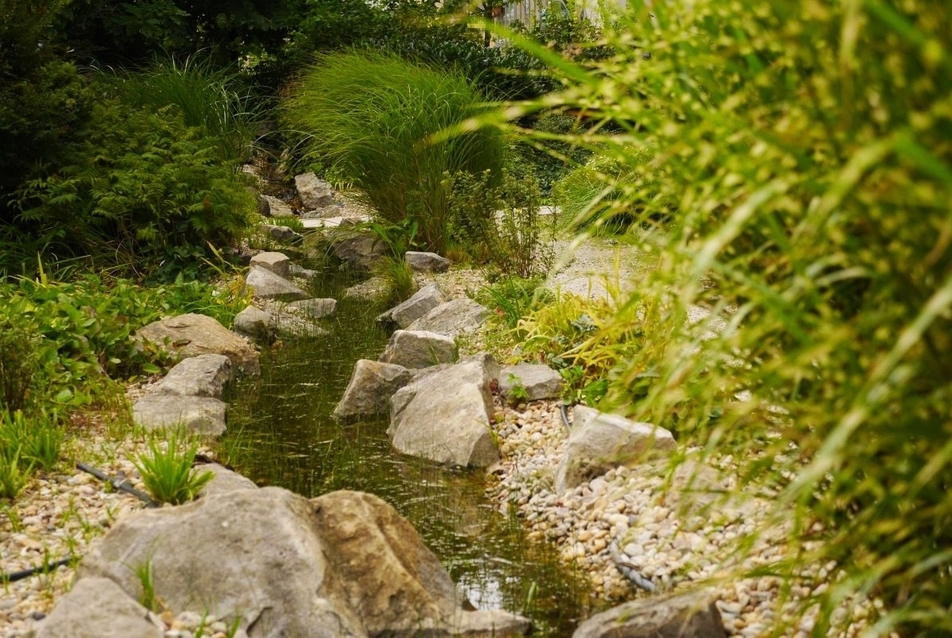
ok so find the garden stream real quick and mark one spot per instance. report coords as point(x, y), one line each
point(281, 433)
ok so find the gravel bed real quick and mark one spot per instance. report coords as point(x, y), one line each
point(628, 512)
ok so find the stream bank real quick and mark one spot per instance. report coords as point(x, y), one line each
point(281, 433)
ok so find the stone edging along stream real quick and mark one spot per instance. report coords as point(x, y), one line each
point(628, 517)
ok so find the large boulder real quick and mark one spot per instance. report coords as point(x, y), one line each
point(691, 615)
point(191, 335)
point(246, 555)
point(453, 317)
point(530, 381)
point(343, 564)
point(255, 323)
point(98, 608)
point(444, 414)
point(223, 480)
point(423, 301)
point(426, 262)
point(203, 376)
point(599, 442)
point(371, 386)
point(359, 252)
point(394, 584)
point(267, 285)
point(198, 415)
point(419, 349)
point(270, 206)
point(278, 263)
point(313, 191)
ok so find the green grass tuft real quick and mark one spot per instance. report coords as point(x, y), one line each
point(373, 118)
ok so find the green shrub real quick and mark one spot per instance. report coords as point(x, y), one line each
point(143, 190)
point(43, 100)
point(373, 117)
point(806, 151)
point(82, 331)
point(209, 99)
point(605, 194)
point(20, 343)
point(499, 224)
point(512, 298)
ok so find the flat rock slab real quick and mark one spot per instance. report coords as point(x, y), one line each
point(371, 386)
point(200, 415)
point(452, 318)
point(443, 414)
point(426, 262)
point(599, 442)
point(281, 234)
point(267, 285)
point(423, 301)
point(419, 349)
point(203, 376)
point(278, 263)
point(334, 222)
point(530, 382)
point(691, 615)
point(191, 335)
point(98, 607)
point(313, 308)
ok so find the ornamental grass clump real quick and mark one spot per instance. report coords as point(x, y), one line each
point(167, 470)
point(373, 118)
point(801, 174)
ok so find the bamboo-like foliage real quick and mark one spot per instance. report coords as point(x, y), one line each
point(801, 173)
point(373, 118)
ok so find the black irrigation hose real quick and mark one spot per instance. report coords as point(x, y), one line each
point(565, 418)
point(120, 484)
point(42, 569)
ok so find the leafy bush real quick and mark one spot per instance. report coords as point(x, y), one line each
point(499, 224)
point(19, 357)
point(374, 116)
point(142, 189)
point(83, 331)
point(606, 194)
point(512, 298)
point(580, 338)
point(807, 152)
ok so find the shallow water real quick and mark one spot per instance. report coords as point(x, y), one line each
point(280, 433)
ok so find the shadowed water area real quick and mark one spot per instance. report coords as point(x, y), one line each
point(281, 433)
